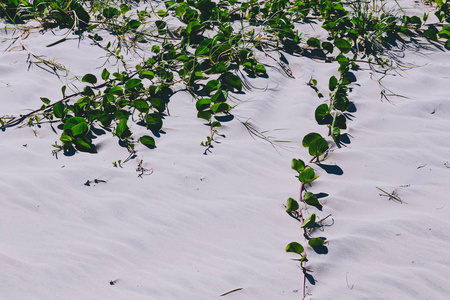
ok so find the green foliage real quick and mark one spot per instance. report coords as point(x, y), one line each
point(316, 242)
point(292, 205)
point(312, 200)
point(309, 222)
point(295, 247)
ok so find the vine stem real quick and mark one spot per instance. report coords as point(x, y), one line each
point(303, 263)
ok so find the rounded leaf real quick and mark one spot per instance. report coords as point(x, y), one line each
point(313, 42)
point(316, 242)
point(318, 147)
point(342, 45)
point(291, 205)
point(309, 138)
point(89, 78)
point(154, 122)
point(295, 248)
point(148, 141)
point(298, 165)
point(307, 176)
point(203, 104)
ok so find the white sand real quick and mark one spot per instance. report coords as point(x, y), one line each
point(202, 225)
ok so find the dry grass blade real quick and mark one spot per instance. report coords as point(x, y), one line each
point(392, 196)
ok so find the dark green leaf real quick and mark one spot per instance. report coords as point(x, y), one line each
point(133, 24)
point(45, 100)
point(105, 74)
point(313, 42)
point(154, 122)
point(59, 110)
point(147, 74)
point(318, 147)
point(307, 176)
point(333, 82)
point(341, 122)
point(158, 103)
point(206, 115)
point(292, 205)
point(309, 138)
point(122, 130)
point(295, 248)
point(84, 145)
point(342, 45)
point(322, 113)
point(328, 46)
point(312, 200)
point(259, 69)
point(148, 141)
point(141, 105)
point(89, 78)
point(212, 85)
point(203, 104)
point(132, 83)
point(220, 96)
point(220, 107)
point(234, 81)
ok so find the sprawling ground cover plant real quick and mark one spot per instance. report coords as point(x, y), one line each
point(216, 39)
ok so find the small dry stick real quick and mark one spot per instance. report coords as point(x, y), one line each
point(392, 196)
point(235, 290)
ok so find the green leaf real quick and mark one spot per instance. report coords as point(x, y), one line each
point(72, 122)
point(66, 138)
point(259, 69)
point(88, 91)
point(298, 165)
point(341, 122)
point(89, 78)
point(307, 176)
point(110, 12)
point(206, 115)
point(220, 96)
point(216, 124)
point(148, 141)
point(332, 84)
point(147, 74)
point(295, 248)
point(154, 122)
point(312, 200)
point(133, 24)
point(84, 145)
point(328, 46)
point(316, 242)
point(80, 129)
point(158, 103)
point(431, 34)
point(45, 100)
point(310, 221)
point(203, 104)
point(444, 33)
point(122, 129)
point(63, 90)
point(141, 105)
point(342, 45)
point(59, 110)
point(318, 147)
point(121, 114)
point(341, 102)
point(233, 81)
point(292, 205)
point(309, 138)
point(162, 13)
point(212, 85)
point(220, 107)
point(313, 42)
point(105, 74)
point(335, 133)
point(203, 48)
point(322, 113)
point(132, 83)
point(124, 8)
